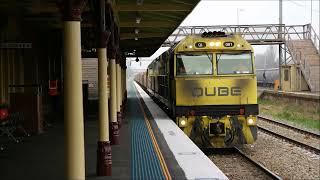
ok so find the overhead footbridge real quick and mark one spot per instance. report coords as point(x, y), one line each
point(298, 45)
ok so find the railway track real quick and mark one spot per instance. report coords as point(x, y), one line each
point(302, 131)
point(301, 142)
point(237, 165)
point(257, 164)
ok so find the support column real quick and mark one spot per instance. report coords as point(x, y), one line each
point(114, 123)
point(104, 160)
point(73, 108)
point(124, 81)
point(125, 84)
point(119, 94)
point(122, 89)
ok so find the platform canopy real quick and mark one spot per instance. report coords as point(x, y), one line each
point(143, 24)
point(146, 24)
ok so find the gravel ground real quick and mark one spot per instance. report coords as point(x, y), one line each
point(311, 141)
point(284, 159)
point(236, 167)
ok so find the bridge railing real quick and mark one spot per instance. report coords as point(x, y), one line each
point(254, 34)
point(297, 57)
point(314, 38)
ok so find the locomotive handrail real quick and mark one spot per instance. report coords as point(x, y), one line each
point(269, 69)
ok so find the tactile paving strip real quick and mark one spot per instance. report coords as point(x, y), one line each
point(145, 163)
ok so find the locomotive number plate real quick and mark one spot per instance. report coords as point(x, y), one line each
point(228, 44)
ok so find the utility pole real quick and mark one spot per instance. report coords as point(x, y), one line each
point(311, 14)
point(280, 37)
point(238, 23)
point(238, 19)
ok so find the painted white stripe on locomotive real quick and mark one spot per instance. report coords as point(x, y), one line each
point(191, 159)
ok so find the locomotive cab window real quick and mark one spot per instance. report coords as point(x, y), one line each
point(234, 63)
point(194, 64)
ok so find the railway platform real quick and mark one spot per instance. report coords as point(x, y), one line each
point(297, 94)
point(151, 147)
point(303, 98)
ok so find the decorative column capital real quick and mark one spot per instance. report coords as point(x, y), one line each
point(72, 9)
point(103, 39)
point(111, 52)
point(118, 56)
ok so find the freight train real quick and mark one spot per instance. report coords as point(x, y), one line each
point(208, 85)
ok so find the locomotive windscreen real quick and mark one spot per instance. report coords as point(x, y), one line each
point(194, 64)
point(234, 63)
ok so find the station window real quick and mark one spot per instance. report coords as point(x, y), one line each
point(194, 64)
point(286, 75)
point(234, 63)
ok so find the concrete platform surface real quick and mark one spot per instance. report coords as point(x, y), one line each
point(42, 157)
point(194, 163)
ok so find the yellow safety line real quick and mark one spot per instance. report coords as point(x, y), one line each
point(154, 142)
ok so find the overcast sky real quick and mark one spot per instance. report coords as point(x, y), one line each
point(218, 12)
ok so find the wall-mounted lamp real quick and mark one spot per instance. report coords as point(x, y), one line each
point(136, 38)
point(139, 2)
point(136, 31)
point(138, 20)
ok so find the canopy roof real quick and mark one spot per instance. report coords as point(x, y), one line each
point(143, 24)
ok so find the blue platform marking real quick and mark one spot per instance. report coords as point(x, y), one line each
point(145, 163)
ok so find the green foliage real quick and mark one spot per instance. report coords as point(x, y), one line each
point(290, 112)
point(300, 120)
point(265, 102)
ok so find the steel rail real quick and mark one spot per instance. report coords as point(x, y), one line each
point(300, 144)
point(302, 131)
point(236, 150)
point(257, 164)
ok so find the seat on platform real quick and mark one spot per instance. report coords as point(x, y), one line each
point(9, 126)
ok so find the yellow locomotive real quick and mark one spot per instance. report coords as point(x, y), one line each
point(208, 84)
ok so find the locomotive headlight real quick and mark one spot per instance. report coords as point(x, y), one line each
point(211, 44)
point(238, 45)
point(251, 121)
point(182, 123)
point(218, 44)
point(190, 46)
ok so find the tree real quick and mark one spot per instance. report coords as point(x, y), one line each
point(272, 61)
